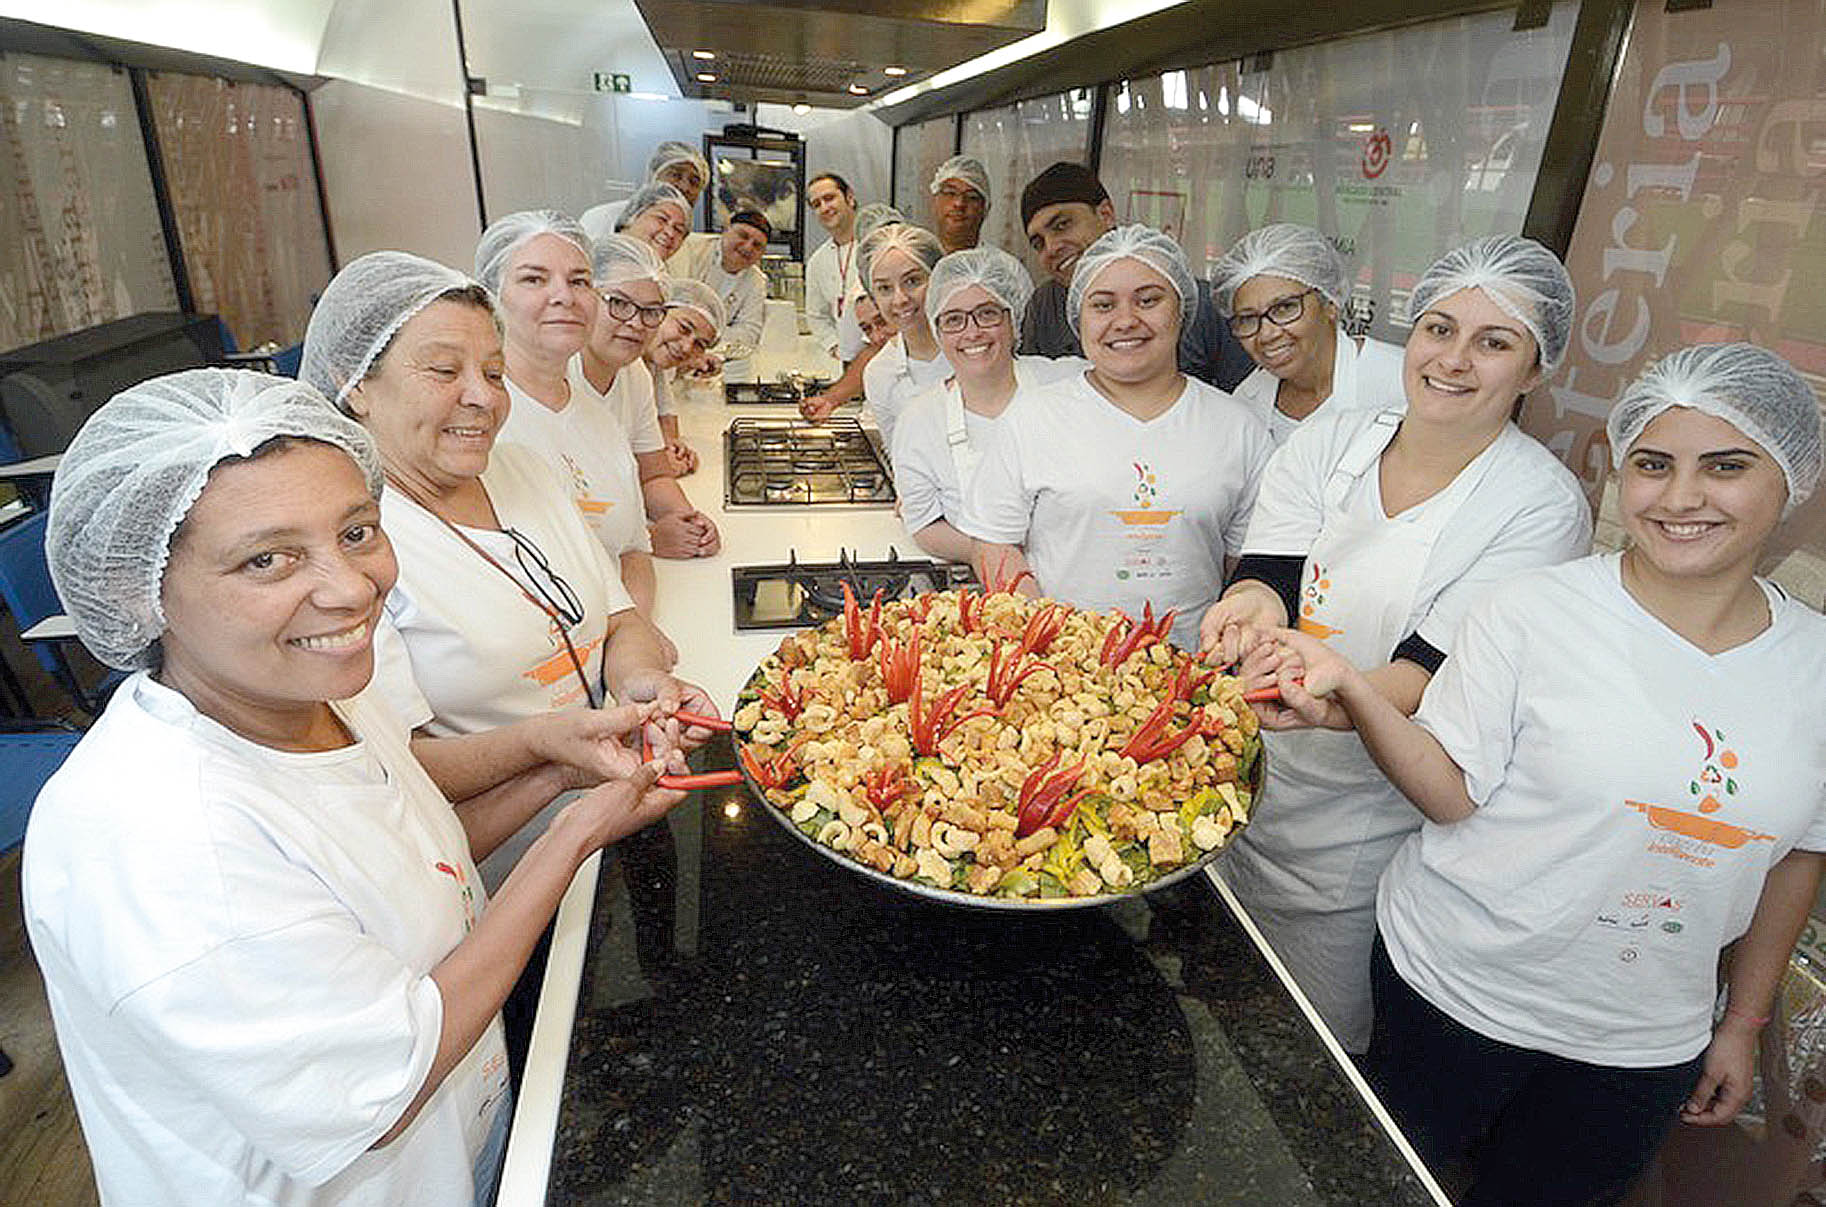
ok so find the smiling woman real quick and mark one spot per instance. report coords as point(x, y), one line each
point(275, 975)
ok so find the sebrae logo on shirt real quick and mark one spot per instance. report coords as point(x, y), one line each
point(1718, 770)
point(1312, 597)
point(467, 892)
point(1147, 492)
point(587, 502)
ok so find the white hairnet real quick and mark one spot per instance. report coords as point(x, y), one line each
point(509, 234)
point(619, 258)
point(1751, 388)
point(915, 241)
point(965, 169)
point(1137, 242)
point(1284, 249)
point(1000, 275)
point(669, 153)
point(362, 309)
point(136, 469)
point(693, 294)
point(657, 193)
point(873, 216)
point(1525, 279)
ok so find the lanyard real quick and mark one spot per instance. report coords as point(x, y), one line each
point(551, 613)
point(843, 274)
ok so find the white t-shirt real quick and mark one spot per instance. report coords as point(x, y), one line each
point(588, 452)
point(925, 470)
point(632, 396)
point(892, 378)
point(482, 654)
point(744, 293)
point(1114, 512)
point(237, 945)
point(598, 221)
point(1366, 378)
point(1633, 792)
point(831, 290)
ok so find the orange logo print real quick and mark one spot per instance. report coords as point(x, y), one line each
point(1312, 597)
point(1147, 492)
point(1716, 767)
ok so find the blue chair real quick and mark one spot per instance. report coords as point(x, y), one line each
point(28, 757)
point(25, 586)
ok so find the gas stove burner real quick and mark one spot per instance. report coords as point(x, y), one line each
point(791, 392)
point(798, 594)
point(788, 462)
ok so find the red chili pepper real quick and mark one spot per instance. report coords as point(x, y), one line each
point(707, 779)
point(1266, 695)
point(775, 772)
point(899, 666)
point(1062, 812)
point(788, 700)
point(970, 612)
point(689, 719)
point(861, 635)
point(930, 727)
point(887, 785)
point(1152, 741)
point(1190, 678)
point(1042, 794)
point(1004, 678)
point(998, 585)
point(1042, 628)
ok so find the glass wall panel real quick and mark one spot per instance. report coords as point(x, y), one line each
point(1398, 145)
point(238, 166)
point(80, 242)
point(918, 151)
point(1017, 141)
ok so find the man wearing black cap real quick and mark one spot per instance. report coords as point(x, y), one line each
point(729, 263)
point(1065, 209)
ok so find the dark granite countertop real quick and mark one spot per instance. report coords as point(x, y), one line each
point(756, 1024)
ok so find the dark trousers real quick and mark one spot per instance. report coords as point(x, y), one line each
point(1517, 1126)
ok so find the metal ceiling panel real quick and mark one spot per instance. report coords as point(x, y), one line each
point(800, 50)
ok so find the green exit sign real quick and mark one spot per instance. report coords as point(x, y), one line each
point(613, 81)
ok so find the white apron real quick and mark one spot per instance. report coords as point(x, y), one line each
point(964, 455)
point(1306, 867)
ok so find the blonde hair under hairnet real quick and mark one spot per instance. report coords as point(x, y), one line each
point(873, 216)
point(362, 309)
point(999, 274)
point(136, 469)
point(507, 235)
point(619, 258)
point(916, 241)
point(1748, 387)
point(657, 193)
point(1283, 249)
point(1145, 245)
point(692, 294)
point(1522, 277)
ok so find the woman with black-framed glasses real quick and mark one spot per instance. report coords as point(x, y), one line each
point(1281, 290)
point(974, 301)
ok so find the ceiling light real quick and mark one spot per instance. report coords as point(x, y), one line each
point(703, 54)
point(802, 108)
point(706, 77)
point(859, 90)
point(894, 71)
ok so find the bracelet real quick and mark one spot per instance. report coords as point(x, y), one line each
point(1754, 1019)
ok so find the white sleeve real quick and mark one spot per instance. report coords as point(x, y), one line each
point(1555, 530)
point(662, 392)
point(393, 681)
point(309, 1034)
point(821, 297)
point(998, 507)
point(1290, 504)
point(746, 312)
point(1470, 705)
point(1254, 447)
point(849, 333)
point(644, 435)
point(915, 478)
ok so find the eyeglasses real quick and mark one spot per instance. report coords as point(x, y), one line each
point(558, 594)
point(1282, 313)
point(949, 193)
point(622, 309)
point(987, 317)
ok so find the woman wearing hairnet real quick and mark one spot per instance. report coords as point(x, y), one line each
point(1374, 531)
point(897, 261)
point(633, 312)
point(1620, 775)
point(1281, 288)
point(672, 163)
point(1130, 484)
point(683, 347)
point(507, 604)
point(974, 303)
point(273, 971)
point(658, 216)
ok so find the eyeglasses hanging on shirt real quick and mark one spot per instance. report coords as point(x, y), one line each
point(555, 597)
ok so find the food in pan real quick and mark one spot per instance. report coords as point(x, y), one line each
point(1000, 745)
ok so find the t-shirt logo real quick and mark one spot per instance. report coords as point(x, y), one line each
point(467, 892)
point(1719, 767)
point(1312, 597)
point(1146, 494)
point(587, 502)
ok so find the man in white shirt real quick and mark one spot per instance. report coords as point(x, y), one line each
point(831, 284)
point(729, 264)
